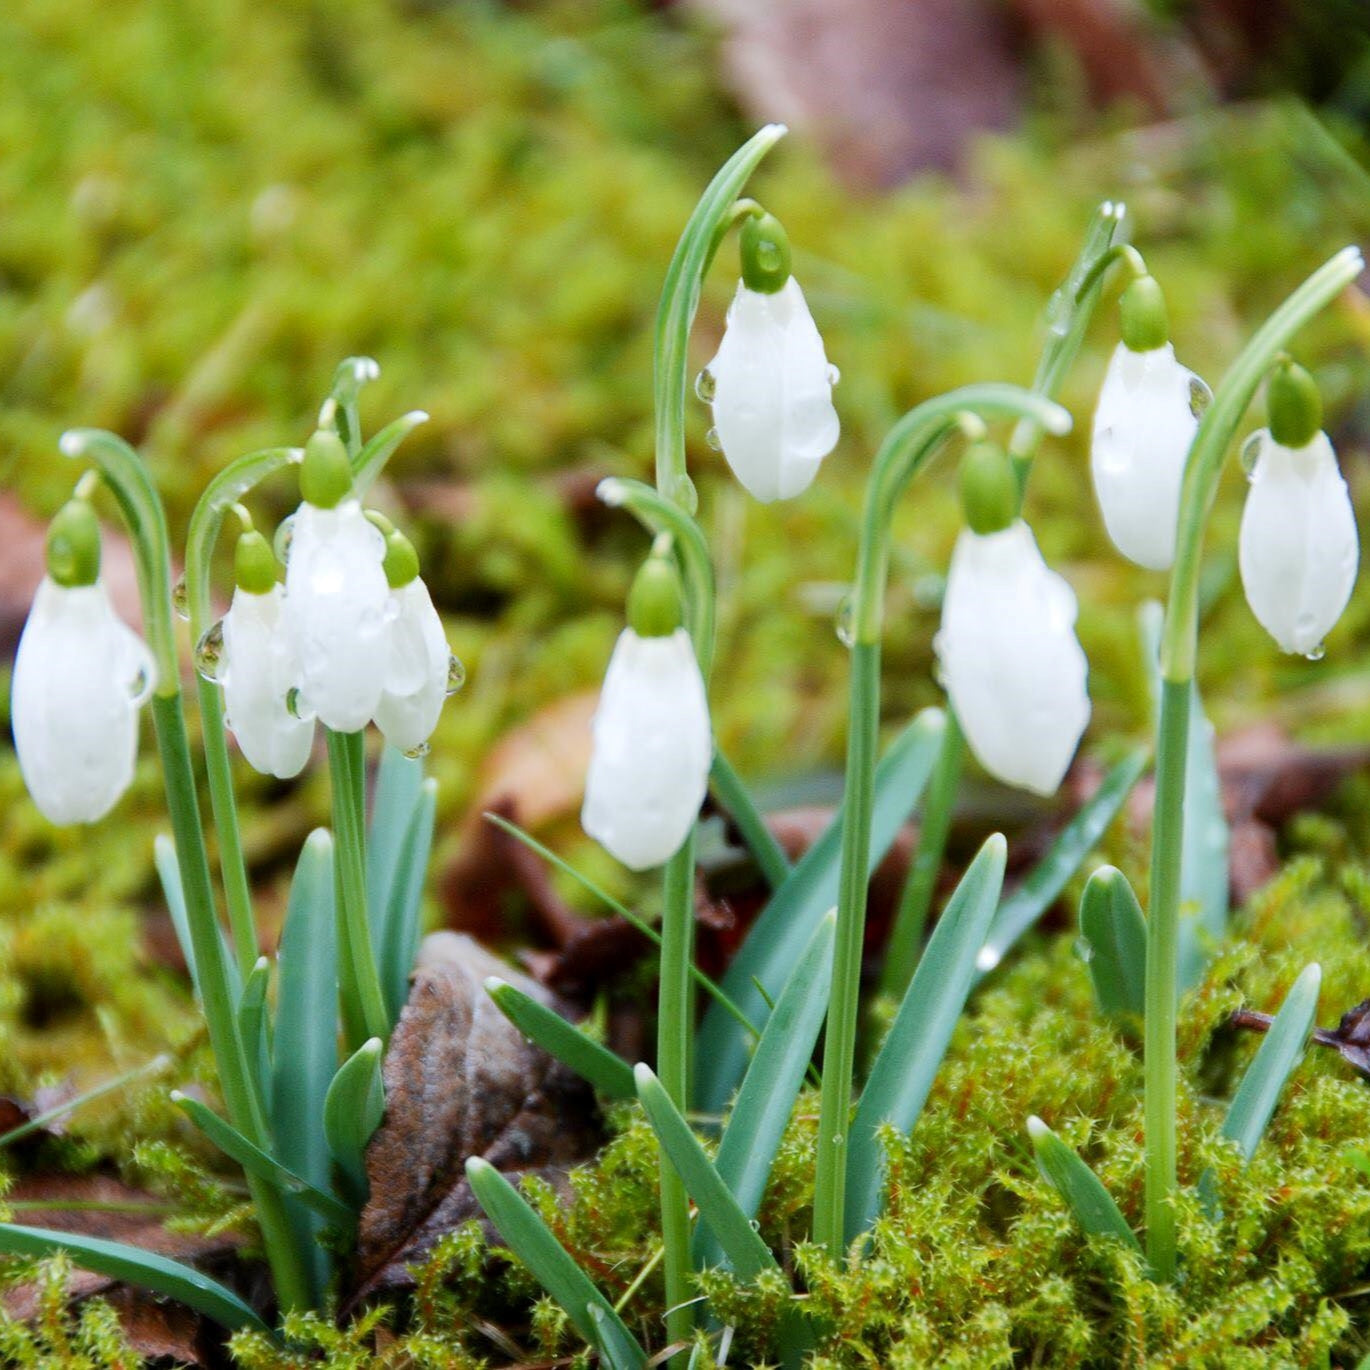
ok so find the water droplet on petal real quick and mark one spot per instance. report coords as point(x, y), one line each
point(846, 621)
point(834, 375)
point(180, 598)
point(1251, 454)
point(686, 495)
point(456, 675)
point(414, 753)
point(209, 651)
point(140, 687)
point(706, 386)
point(1316, 653)
point(281, 542)
point(1200, 397)
point(714, 441)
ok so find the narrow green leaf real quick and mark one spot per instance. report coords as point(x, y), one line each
point(1114, 934)
point(169, 874)
point(348, 378)
point(533, 1243)
point(404, 905)
point(306, 1040)
point(618, 1348)
point(1049, 876)
point(1079, 1186)
point(370, 461)
point(352, 1111)
point(137, 1267)
point(41, 1120)
point(253, 1025)
point(912, 1052)
point(741, 1242)
point(736, 801)
point(779, 936)
point(1254, 1102)
point(766, 1099)
point(265, 1167)
point(607, 1072)
point(398, 781)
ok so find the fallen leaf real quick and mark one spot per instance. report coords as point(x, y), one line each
point(15, 1113)
point(461, 1081)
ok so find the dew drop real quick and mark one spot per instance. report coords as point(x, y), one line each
point(839, 1139)
point(1200, 397)
point(456, 675)
point(1058, 314)
point(756, 1224)
point(834, 375)
point(180, 598)
point(285, 534)
point(414, 753)
point(685, 494)
point(706, 386)
point(846, 621)
point(1251, 454)
point(987, 958)
point(714, 441)
point(1316, 653)
point(140, 687)
point(1084, 949)
point(209, 652)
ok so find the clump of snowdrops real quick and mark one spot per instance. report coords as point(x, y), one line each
point(351, 638)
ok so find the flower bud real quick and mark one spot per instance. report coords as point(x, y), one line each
point(1298, 549)
point(1010, 660)
point(772, 392)
point(80, 675)
point(649, 767)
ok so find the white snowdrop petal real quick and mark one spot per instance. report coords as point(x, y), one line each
point(416, 676)
point(1298, 552)
point(649, 768)
point(337, 612)
point(1010, 660)
point(258, 671)
point(80, 675)
point(772, 400)
point(1143, 427)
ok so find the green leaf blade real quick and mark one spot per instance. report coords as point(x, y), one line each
point(352, 1111)
point(1114, 932)
point(1080, 1187)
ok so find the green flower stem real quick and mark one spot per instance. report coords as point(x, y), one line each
point(1179, 649)
point(911, 443)
point(229, 487)
point(712, 217)
point(364, 1011)
point(915, 900)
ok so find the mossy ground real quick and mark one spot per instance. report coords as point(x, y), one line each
point(202, 208)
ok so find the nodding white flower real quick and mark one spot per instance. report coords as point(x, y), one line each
point(1010, 660)
point(1298, 550)
point(417, 670)
point(337, 613)
point(772, 392)
point(1143, 427)
point(258, 670)
point(653, 747)
point(80, 676)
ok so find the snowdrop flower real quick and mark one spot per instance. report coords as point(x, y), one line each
point(80, 676)
point(1298, 550)
point(259, 668)
point(770, 383)
point(337, 601)
point(652, 744)
point(1010, 660)
point(1143, 427)
point(420, 667)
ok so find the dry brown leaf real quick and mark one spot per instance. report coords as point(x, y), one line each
point(461, 1081)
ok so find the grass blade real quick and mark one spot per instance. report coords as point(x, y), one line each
point(532, 1242)
point(766, 1099)
point(609, 1073)
point(137, 1267)
point(352, 1111)
point(779, 936)
point(398, 781)
point(741, 1243)
point(1049, 876)
point(265, 1167)
point(912, 1052)
point(253, 1025)
point(404, 907)
point(736, 801)
point(1114, 931)
point(1079, 1186)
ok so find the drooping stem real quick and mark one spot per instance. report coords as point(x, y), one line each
point(915, 900)
point(911, 443)
point(364, 1012)
point(1179, 650)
